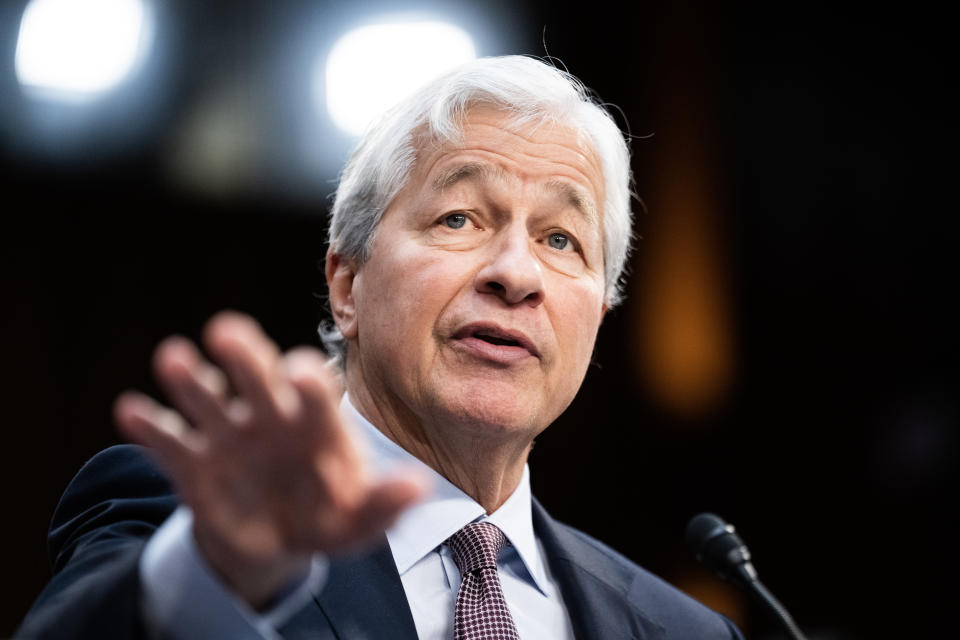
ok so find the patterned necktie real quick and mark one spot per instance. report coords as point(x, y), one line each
point(481, 612)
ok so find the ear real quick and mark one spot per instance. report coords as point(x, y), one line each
point(341, 272)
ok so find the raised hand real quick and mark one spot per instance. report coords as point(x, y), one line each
point(258, 452)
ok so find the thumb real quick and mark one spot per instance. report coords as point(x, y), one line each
point(388, 499)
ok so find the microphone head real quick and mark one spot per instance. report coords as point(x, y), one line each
point(719, 548)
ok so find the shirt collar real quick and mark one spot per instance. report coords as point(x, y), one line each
point(446, 509)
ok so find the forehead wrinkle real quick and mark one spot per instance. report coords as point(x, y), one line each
point(478, 171)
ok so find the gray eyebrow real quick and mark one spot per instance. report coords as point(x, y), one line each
point(468, 171)
point(482, 171)
point(575, 197)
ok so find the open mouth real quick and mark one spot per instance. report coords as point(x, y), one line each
point(492, 338)
point(497, 340)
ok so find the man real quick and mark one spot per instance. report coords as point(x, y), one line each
point(477, 240)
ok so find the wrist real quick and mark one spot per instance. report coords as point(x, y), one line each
point(258, 579)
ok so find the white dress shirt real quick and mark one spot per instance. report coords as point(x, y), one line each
point(184, 599)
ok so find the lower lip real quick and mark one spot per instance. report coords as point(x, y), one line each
point(501, 353)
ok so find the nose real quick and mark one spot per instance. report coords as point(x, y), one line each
point(512, 272)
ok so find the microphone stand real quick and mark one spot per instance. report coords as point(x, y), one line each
point(719, 548)
point(761, 593)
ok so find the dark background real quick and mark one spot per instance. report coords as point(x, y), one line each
point(787, 356)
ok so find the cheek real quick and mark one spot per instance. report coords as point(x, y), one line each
point(409, 292)
point(586, 334)
point(580, 321)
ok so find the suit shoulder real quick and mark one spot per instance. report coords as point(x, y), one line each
point(109, 509)
point(119, 491)
point(125, 462)
point(610, 565)
point(657, 601)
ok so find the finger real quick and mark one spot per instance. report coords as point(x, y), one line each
point(318, 388)
point(159, 429)
point(196, 388)
point(251, 361)
point(387, 500)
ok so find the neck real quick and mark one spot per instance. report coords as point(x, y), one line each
point(479, 459)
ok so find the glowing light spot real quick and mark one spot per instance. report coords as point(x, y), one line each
point(373, 67)
point(76, 49)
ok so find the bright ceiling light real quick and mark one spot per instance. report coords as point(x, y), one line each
point(373, 67)
point(80, 48)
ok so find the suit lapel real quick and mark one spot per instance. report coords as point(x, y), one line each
point(595, 588)
point(364, 598)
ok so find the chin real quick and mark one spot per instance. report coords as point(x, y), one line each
point(491, 411)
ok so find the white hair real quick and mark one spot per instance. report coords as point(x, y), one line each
point(530, 92)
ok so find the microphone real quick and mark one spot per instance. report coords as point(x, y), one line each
point(720, 549)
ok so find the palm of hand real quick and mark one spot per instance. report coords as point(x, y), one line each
point(259, 454)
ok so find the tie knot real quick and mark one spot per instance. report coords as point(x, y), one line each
point(476, 546)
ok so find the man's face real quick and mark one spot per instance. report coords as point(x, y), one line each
point(481, 300)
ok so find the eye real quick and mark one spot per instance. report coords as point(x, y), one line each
point(455, 220)
point(559, 241)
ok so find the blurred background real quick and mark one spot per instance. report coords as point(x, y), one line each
point(787, 356)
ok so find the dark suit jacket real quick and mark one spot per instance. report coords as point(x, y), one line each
point(119, 499)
